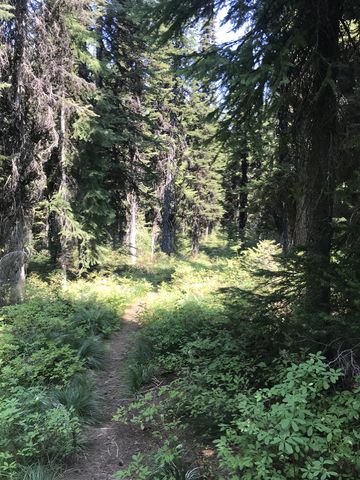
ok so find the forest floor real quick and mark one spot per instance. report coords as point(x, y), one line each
point(109, 446)
point(194, 377)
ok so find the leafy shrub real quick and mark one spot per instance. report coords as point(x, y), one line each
point(168, 327)
point(298, 428)
point(168, 463)
point(193, 339)
point(32, 428)
point(35, 345)
point(95, 319)
point(50, 364)
point(225, 372)
point(109, 294)
point(46, 346)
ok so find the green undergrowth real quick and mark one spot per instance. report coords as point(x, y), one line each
point(225, 390)
point(221, 372)
point(50, 347)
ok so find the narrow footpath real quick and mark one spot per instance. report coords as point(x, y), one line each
point(110, 446)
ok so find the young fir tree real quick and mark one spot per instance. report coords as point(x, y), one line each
point(164, 104)
point(202, 177)
point(186, 183)
point(110, 158)
point(70, 28)
point(202, 196)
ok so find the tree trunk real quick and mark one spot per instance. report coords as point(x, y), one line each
point(19, 277)
point(155, 233)
point(64, 195)
point(54, 246)
point(243, 197)
point(284, 159)
point(319, 168)
point(195, 239)
point(12, 277)
point(285, 229)
point(167, 221)
point(133, 207)
point(207, 233)
point(154, 237)
point(166, 230)
point(13, 264)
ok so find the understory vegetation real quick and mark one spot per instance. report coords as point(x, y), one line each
point(200, 158)
point(230, 387)
point(224, 366)
point(50, 348)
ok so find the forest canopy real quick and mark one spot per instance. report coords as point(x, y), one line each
point(136, 138)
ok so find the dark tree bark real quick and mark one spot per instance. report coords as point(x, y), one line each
point(284, 160)
point(53, 238)
point(319, 168)
point(155, 230)
point(16, 221)
point(64, 192)
point(195, 237)
point(167, 221)
point(243, 196)
point(132, 230)
point(236, 191)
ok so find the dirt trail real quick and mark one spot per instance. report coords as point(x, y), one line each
point(110, 446)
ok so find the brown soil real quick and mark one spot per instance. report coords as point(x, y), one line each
point(110, 446)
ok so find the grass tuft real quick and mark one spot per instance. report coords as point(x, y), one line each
point(140, 370)
point(139, 375)
point(37, 472)
point(92, 350)
point(81, 397)
point(179, 470)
